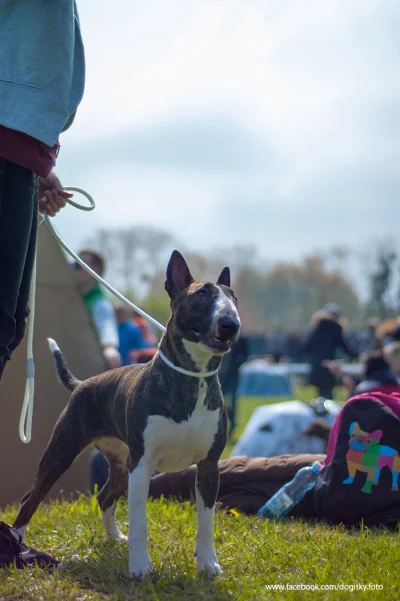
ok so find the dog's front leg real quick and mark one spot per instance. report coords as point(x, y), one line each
point(138, 491)
point(207, 483)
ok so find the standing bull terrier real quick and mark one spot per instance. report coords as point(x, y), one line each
point(164, 415)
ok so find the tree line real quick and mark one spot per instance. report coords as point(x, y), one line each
point(281, 294)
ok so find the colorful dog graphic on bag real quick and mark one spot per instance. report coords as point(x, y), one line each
point(365, 454)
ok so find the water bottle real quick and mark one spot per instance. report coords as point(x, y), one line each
point(291, 493)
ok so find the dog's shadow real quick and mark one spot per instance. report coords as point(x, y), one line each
point(105, 571)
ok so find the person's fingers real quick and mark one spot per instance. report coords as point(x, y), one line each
point(53, 200)
point(58, 199)
point(45, 208)
point(64, 193)
point(47, 204)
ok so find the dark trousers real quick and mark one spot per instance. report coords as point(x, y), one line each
point(326, 392)
point(99, 469)
point(18, 225)
point(229, 386)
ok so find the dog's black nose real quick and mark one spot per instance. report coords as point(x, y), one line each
point(228, 327)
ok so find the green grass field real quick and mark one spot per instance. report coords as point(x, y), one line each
point(255, 556)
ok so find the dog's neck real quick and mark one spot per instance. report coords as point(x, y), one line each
point(187, 355)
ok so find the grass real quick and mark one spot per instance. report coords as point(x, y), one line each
point(254, 555)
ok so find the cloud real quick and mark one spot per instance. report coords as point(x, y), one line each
point(211, 143)
point(240, 121)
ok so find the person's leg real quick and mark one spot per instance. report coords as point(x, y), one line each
point(235, 384)
point(18, 217)
point(326, 391)
point(99, 470)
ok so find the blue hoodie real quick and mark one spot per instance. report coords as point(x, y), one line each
point(42, 66)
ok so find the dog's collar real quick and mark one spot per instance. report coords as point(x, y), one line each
point(187, 372)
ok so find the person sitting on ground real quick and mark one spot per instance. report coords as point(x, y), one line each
point(100, 308)
point(246, 483)
point(377, 375)
point(322, 344)
point(281, 428)
point(391, 352)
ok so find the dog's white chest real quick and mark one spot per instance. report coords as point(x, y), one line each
point(172, 446)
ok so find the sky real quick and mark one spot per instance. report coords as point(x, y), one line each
point(239, 122)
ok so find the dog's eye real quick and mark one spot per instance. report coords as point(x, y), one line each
point(202, 292)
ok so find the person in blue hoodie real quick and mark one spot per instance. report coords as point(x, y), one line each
point(42, 73)
point(42, 76)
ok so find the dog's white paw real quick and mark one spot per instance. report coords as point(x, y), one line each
point(140, 569)
point(111, 526)
point(207, 561)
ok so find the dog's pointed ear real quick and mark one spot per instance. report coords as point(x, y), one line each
point(178, 275)
point(225, 277)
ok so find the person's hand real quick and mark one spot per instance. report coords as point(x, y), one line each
point(333, 366)
point(112, 357)
point(349, 383)
point(51, 195)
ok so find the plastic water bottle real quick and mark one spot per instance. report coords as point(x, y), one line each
point(291, 493)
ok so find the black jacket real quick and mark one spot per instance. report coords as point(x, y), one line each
point(322, 343)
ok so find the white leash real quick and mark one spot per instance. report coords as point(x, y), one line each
point(25, 421)
point(27, 406)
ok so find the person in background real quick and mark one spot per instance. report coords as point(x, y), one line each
point(130, 334)
point(378, 374)
point(391, 352)
point(229, 377)
point(100, 308)
point(145, 354)
point(323, 342)
point(147, 333)
point(275, 341)
point(367, 339)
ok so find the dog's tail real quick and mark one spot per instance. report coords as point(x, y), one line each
point(63, 372)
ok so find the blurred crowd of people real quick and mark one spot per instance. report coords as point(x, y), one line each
point(328, 341)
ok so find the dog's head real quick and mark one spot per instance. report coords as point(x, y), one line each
point(203, 313)
point(363, 441)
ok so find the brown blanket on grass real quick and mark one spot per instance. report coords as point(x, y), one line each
point(246, 483)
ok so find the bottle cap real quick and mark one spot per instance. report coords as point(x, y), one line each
point(316, 466)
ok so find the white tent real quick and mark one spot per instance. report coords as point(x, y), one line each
point(60, 314)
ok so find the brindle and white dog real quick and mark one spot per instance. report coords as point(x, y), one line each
point(164, 415)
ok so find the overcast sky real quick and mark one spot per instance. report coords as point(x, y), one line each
point(239, 122)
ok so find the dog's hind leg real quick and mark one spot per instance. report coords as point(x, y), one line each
point(207, 483)
point(116, 485)
point(66, 443)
